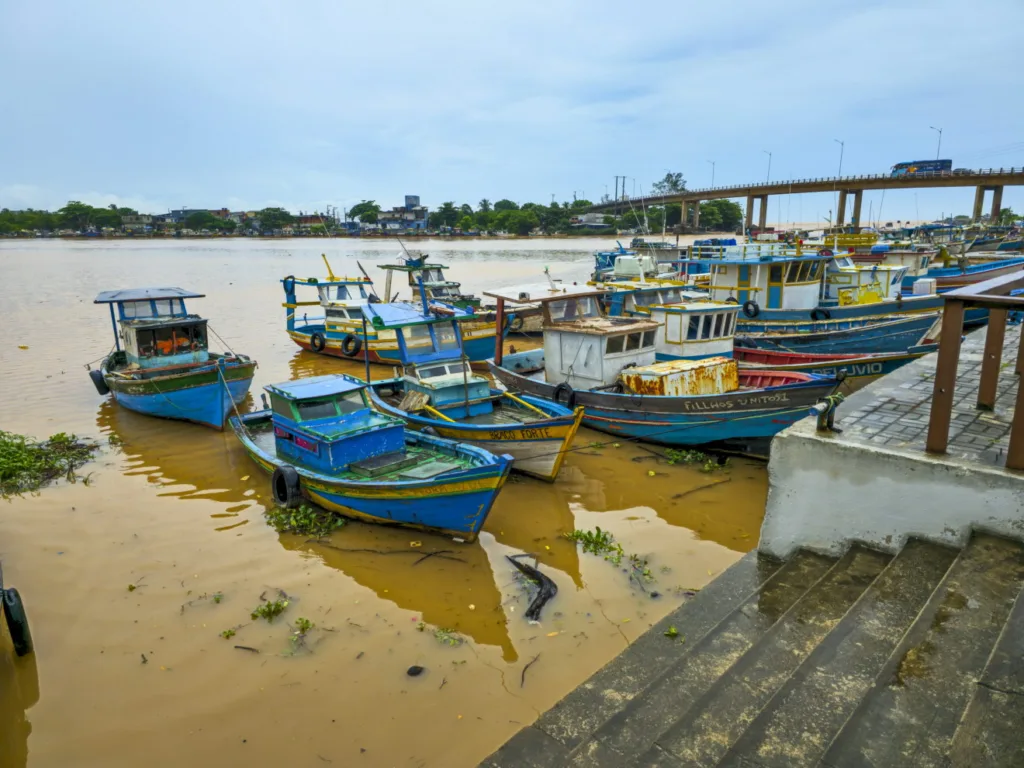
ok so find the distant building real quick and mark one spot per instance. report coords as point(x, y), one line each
point(178, 216)
point(412, 215)
point(588, 221)
point(309, 220)
point(138, 223)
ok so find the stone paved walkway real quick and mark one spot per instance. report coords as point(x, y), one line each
point(894, 411)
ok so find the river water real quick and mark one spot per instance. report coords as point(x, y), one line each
point(130, 677)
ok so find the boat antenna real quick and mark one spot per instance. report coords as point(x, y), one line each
point(369, 280)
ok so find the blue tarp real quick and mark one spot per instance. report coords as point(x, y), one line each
point(403, 313)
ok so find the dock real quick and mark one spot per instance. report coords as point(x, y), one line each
point(880, 623)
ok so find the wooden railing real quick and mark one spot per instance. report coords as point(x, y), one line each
point(993, 295)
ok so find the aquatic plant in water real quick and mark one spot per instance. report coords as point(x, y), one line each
point(602, 543)
point(305, 520)
point(26, 466)
point(270, 610)
point(710, 463)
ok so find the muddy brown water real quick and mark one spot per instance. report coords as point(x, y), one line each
point(126, 678)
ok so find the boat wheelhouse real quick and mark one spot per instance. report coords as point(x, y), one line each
point(439, 392)
point(417, 269)
point(695, 330)
point(162, 364)
point(321, 441)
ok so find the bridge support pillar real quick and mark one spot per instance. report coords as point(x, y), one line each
point(979, 201)
point(750, 212)
point(763, 214)
point(696, 214)
point(858, 198)
point(841, 209)
point(997, 203)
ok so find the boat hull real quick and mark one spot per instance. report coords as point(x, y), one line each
point(690, 420)
point(851, 367)
point(199, 396)
point(386, 353)
point(906, 306)
point(455, 503)
point(875, 338)
point(537, 448)
point(949, 278)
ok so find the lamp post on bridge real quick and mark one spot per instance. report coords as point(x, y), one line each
point(938, 150)
point(842, 148)
point(712, 173)
point(768, 176)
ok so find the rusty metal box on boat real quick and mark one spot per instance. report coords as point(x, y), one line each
point(709, 376)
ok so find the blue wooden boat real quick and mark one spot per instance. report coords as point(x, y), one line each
point(440, 393)
point(321, 441)
point(894, 334)
point(607, 365)
point(162, 365)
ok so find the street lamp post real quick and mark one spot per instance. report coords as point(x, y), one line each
point(842, 147)
point(768, 177)
point(712, 173)
point(938, 150)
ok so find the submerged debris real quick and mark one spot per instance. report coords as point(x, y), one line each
point(414, 671)
point(27, 466)
point(305, 520)
point(548, 588)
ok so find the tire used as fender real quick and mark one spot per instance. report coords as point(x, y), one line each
point(317, 342)
point(285, 487)
point(570, 400)
point(516, 324)
point(351, 345)
point(98, 382)
point(820, 314)
point(17, 621)
point(751, 309)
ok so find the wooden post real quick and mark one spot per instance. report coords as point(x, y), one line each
point(1015, 453)
point(499, 325)
point(945, 376)
point(1020, 352)
point(992, 359)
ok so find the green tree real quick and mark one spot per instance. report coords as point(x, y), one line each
point(673, 214)
point(673, 182)
point(445, 216)
point(1007, 217)
point(467, 223)
point(505, 205)
point(484, 206)
point(466, 210)
point(201, 220)
point(485, 220)
point(76, 215)
point(274, 218)
point(729, 215)
point(517, 222)
point(367, 212)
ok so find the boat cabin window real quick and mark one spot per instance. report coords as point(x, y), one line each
point(775, 274)
point(446, 338)
point(451, 369)
point(280, 406)
point(355, 313)
point(350, 402)
point(719, 324)
point(693, 331)
point(648, 339)
point(417, 336)
point(315, 409)
point(646, 299)
point(574, 309)
point(705, 329)
point(333, 293)
point(632, 342)
point(672, 296)
point(170, 340)
point(615, 345)
point(337, 314)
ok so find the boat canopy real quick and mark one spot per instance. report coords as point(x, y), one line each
point(315, 387)
point(145, 294)
point(401, 314)
point(543, 292)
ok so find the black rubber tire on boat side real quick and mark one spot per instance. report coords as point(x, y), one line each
point(751, 309)
point(515, 325)
point(317, 342)
point(284, 486)
point(570, 400)
point(17, 622)
point(351, 345)
point(820, 314)
point(99, 383)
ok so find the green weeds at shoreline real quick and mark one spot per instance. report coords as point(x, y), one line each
point(27, 466)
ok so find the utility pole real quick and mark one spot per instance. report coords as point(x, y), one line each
point(842, 147)
point(768, 177)
point(938, 150)
point(712, 173)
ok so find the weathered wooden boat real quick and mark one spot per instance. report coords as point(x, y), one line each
point(850, 366)
point(887, 334)
point(341, 331)
point(949, 278)
point(162, 364)
point(607, 365)
point(439, 393)
point(321, 441)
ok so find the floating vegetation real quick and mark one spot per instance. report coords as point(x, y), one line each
point(448, 637)
point(270, 610)
point(671, 632)
point(26, 466)
point(602, 543)
point(710, 463)
point(227, 634)
point(217, 597)
point(305, 520)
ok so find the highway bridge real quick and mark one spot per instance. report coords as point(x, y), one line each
point(990, 180)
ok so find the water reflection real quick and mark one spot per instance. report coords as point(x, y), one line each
point(19, 691)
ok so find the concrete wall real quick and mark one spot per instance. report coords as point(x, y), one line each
point(825, 495)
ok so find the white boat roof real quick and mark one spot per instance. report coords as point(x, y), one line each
point(541, 292)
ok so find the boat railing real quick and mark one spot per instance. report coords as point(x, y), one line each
point(995, 296)
point(746, 252)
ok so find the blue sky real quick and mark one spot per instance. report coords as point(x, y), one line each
point(248, 104)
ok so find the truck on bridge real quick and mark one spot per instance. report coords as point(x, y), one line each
point(915, 167)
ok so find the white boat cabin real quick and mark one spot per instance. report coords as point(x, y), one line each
point(694, 331)
point(769, 276)
point(849, 283)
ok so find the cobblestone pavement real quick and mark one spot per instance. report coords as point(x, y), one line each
point(894, 410)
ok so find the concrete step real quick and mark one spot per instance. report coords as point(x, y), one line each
point(990, 730)
point(800, 721)
point(703, 735)
point(549, 741)
point(631, 731)
point(911, 712)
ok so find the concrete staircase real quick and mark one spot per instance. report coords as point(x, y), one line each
point(868, 660)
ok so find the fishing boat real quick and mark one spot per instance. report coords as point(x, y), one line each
point(607, 365)
point(162, 364)
point(341, 331)
point(321, 441)
point(948, 278)
point(850, 366)
point(892, 333)
point(439, 393)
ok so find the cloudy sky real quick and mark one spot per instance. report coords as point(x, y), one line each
point(255, 103)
